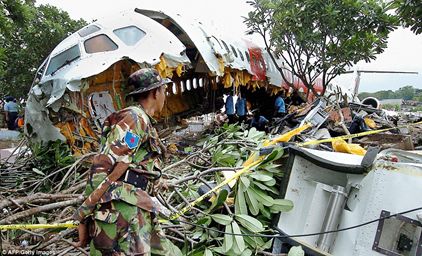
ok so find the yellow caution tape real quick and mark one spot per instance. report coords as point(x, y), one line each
point(252, 161)
point(38, 226)
point(199, 199)
point(247, 166)
point(351, 136)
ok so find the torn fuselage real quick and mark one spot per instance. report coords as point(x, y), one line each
point(83, 80)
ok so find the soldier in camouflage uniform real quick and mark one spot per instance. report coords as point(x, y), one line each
point(123, 221)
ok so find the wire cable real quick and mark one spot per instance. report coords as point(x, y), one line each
point(300, 235)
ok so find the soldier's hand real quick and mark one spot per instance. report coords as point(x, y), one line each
point(83, 235)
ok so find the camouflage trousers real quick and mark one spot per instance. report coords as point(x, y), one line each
point(119, 228)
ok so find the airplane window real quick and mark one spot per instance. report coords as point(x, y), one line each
point(262, 65)
point(88, 30)
point(188, 87)
point(194, 83)
point(201, 82)
point(234, 51)
point(188, 84)
point(182, 88)
point(225, 46)
point(174, 89)
point(247, 56)
point(41, 69)
point(255, 61)
point(241, 55)
point(183, 85)
point(129, 35)
point(100, 43)
point(216, 39)
point(62, 59)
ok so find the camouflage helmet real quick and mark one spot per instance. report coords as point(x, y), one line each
point(145, 79)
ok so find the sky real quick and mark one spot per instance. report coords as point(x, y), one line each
point(404, 51)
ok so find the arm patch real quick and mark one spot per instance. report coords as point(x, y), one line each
point(131, 140)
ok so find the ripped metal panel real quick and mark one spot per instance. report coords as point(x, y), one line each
point(236, 62)
point(49, 95)
point(38, 124)
point(213, 48)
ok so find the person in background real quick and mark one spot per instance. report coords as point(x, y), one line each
point(241, 108)
point(11, 111)
point(230, 108)
point(296, 100)
point(279, 105)
point(259, 121)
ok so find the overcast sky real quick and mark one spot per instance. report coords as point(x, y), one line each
point(404, 52)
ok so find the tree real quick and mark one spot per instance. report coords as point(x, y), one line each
point(28, 35)
point(410, 13)
point(320, 38)
point(406, 92)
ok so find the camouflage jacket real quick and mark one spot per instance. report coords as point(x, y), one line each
point(128, 136)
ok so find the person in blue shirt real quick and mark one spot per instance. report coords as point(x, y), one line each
point(279, 105)
point(241, 108)
point(230, 108)
point(11, 110)
point(259, 121)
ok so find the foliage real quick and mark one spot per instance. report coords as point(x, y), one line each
point(319, 39)
point(28, 34)
point(250, 205)
point(410, 13)
point(395, 107)
point(416, 109)
point(406, 93)
point(50, 156)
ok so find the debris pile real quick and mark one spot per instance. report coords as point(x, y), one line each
point(362, 124)
point(43, 185)
point(38, 190)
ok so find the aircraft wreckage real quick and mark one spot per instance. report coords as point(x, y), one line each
point(83, 80)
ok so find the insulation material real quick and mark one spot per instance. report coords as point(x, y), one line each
point(169, 65)
point(245, 77)
point(179, 70)
point(227, 79)
point(344, 147)
point(274, 90)
point(79, 135)
point(370, 123)
point(220, 64)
